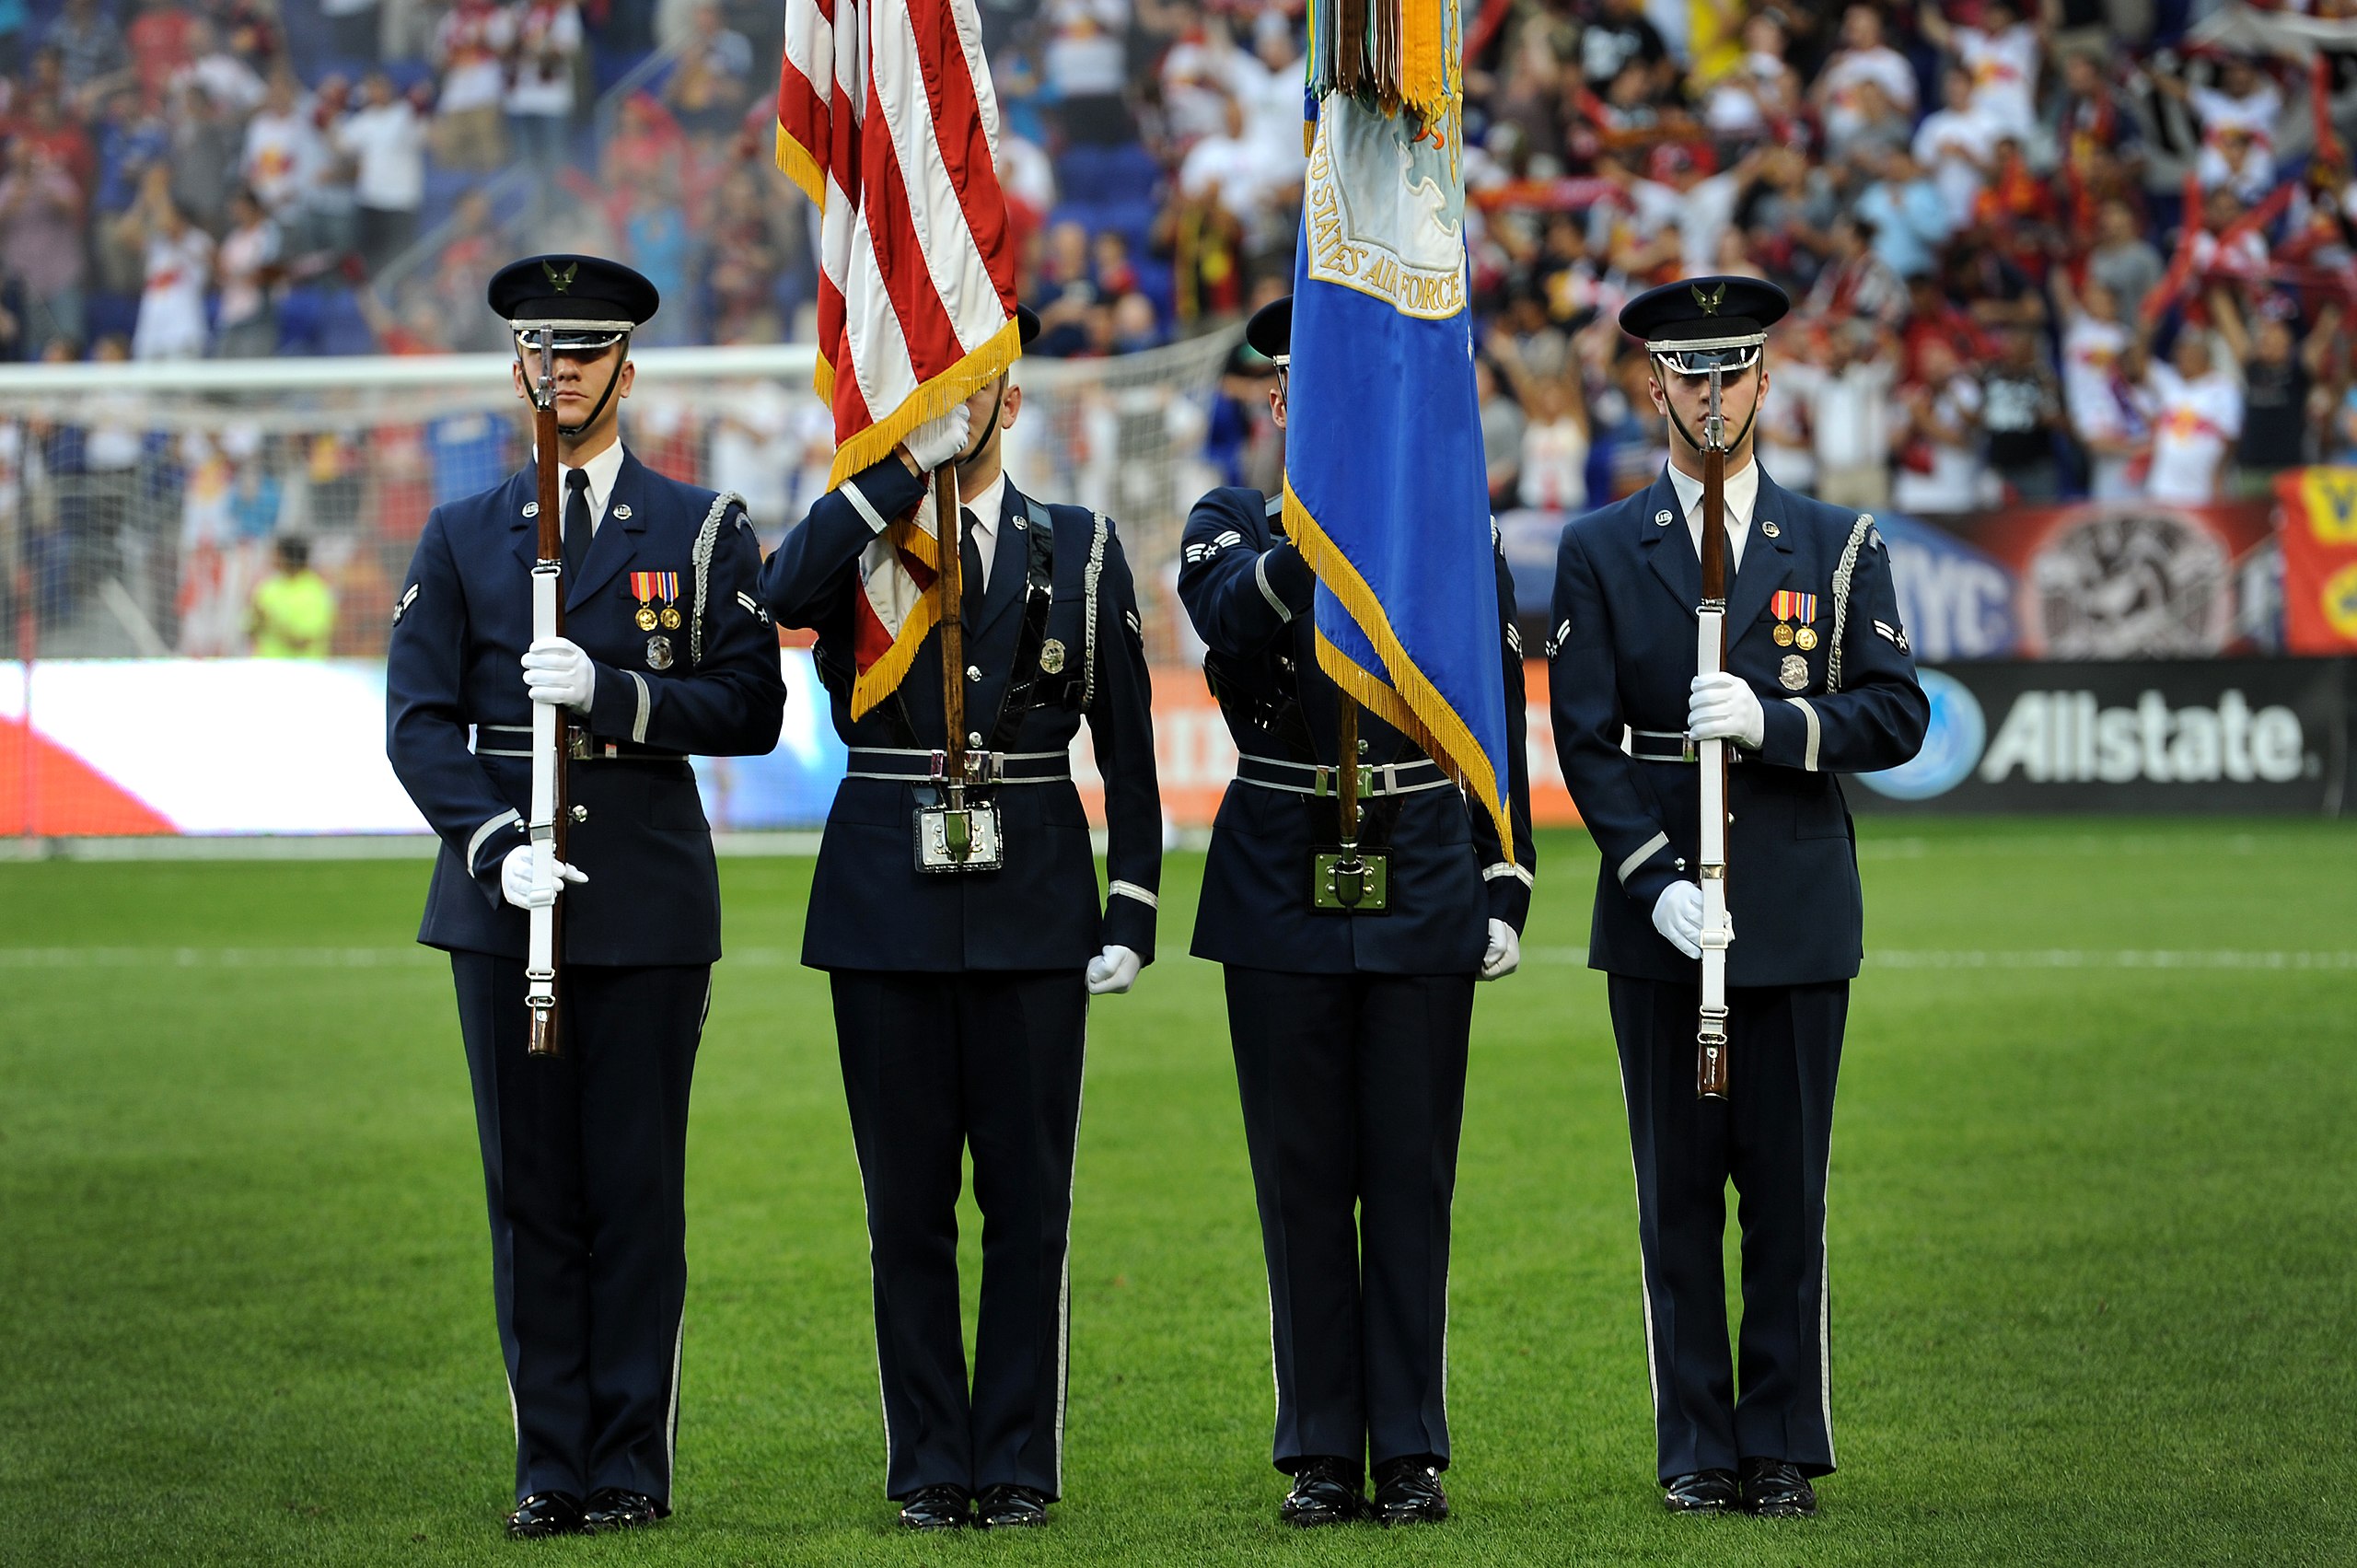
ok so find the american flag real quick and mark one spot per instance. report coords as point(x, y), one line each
point(887, 119)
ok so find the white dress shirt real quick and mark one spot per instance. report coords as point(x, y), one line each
point(1742, 496)
point(985, 509)
point(602, 471)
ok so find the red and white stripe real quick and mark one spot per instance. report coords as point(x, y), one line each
point(887, 120)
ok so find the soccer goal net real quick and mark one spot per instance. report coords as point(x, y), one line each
point(143, 507)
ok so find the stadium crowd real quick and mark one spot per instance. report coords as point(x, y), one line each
point(2039, 250)
point(245, 177)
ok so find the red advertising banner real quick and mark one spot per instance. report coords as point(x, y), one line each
point(2319, 560)
point(2127, 579)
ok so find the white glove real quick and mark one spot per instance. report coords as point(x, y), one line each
point(1113, 971)
point(557, 671)
point(937, 441)
point(1677, 916)
point(1724, 707)
point(1504, 956)
point(516, 879)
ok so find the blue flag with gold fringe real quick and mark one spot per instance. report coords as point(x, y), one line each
point(1387, 495)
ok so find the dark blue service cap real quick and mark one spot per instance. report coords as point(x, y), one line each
point(1717, 323)
point(590, 301)
point(1027, 324)
point(1271, 332)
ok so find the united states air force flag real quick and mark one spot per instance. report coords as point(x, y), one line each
point(1386, 491)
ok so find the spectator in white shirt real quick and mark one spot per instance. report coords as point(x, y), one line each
point(283, 151)
point(545, 43)
point(387, 138)
point(1958, 145)
point(2003, 55)
point(2198, 415)
point(1941, 468)
point(179, 264)
point(1759, 92)
point(230, 81)
point(469, 49)
point(1085, 63)
point(1240, 170)
point(2104, 418)
point(1851, 417)
point(1863, 57)
point(246, 325)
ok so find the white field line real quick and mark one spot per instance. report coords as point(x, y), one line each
point(2058, 959)
point(279, 958)
point(779, 957)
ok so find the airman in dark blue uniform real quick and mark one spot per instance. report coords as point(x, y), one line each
point(1350, 1029)
point(961, 995)
point(665, 653)
point(1819, 682)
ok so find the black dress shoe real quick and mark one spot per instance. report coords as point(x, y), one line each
point(1704, 1492)
point(1008, 1506)
point(545, 1514)
point(1325, 1492)
point(1407, 1491)
point(1775, 1490)
point(618, 1508)
point(942, 1508)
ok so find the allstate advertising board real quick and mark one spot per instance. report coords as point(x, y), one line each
point(2159, 735)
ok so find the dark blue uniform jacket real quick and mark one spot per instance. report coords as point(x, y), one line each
point(461, 623)
point(1250, 594)
point(1620, 654)
point(870, 907)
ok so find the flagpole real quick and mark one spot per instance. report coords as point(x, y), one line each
point(949, 583)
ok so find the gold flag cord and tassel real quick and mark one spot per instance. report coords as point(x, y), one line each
point(1389, 54)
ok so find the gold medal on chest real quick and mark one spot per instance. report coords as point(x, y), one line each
point(645, 618)
point(671, 617)
point(1781, 635)
point(1806, 638)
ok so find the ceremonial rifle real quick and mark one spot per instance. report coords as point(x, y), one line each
point(547, 825)
point(1711, 659)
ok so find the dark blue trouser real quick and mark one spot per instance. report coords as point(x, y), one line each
point(585, 1165)
point(934, 1064)
point(1772, 1136)
point(1354, 1093)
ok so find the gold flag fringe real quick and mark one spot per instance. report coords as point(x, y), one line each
point(1409, 701)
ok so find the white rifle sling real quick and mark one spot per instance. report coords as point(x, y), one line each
point(539, 957)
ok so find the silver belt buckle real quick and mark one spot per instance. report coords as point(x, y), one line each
point(964, 838)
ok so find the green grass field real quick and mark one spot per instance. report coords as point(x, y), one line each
point(2093, 1288)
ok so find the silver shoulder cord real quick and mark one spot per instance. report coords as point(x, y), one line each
point(700, 557)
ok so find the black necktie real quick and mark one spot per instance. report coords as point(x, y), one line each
point(577, 520)
point(970, 554)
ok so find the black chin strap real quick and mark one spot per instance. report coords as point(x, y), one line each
point(573, 431)
point(1680, 425)
point(998, 405)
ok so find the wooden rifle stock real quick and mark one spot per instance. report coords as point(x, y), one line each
point(545, 955)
